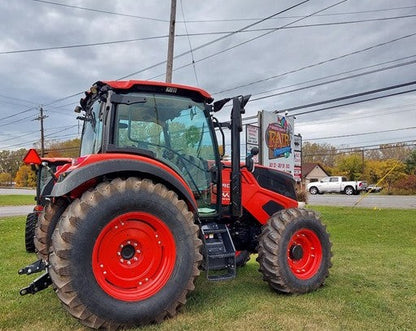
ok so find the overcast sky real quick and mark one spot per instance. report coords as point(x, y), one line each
point(287, 54)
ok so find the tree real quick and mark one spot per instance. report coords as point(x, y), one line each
point(10, 161)
point(389, 151)
point(5, 178)
point(350, 166)
point(392, 171)
point(319, 153)
point(25, 177)
point(411, 163)
point(68, 148)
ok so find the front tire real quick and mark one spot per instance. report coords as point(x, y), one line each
point(313, 190)
point(126, 253)
point(294, 251)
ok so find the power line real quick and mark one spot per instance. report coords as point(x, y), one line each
point(335, 80)
point(294, 16)
point(389, 112)
point(356, 102)
point(190, 44)
point(252, 39)
point(18, 113)
point(359, 148)
point(360, 134)
point(219, 39)
point(188, 35)
point(321, 62)
point(81, 45)
point(348, 97)
point(207, 21)
point(101, 11)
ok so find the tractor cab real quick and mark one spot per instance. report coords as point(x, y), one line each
point(169, 125)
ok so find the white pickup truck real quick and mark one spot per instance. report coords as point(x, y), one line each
point(337, 184)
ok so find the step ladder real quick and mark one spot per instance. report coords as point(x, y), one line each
point(219, 252)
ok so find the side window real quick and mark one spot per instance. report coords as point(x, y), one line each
point(92, 131)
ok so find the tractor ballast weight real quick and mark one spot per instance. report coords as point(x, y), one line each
point(150, 202)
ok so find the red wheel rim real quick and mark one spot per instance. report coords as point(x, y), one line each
point(134, 256)
point(304, 254)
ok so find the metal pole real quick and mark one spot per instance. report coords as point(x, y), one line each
point(169, 62)
point(40, 118)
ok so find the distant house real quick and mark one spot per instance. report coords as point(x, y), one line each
point(312, 172)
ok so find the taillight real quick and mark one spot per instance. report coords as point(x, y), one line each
point(38, 208)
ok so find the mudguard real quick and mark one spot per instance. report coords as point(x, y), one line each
point(76, 178)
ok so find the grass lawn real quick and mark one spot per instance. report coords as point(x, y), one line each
point(16, 200)
point(372, 284)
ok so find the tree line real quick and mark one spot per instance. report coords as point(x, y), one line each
point(391, 166)
point(14, 172)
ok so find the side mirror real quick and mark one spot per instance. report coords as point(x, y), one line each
point(249, 159)
point(219, 104)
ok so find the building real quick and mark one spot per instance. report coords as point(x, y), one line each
point(312, 172)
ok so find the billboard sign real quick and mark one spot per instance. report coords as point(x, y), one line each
point(278, 143)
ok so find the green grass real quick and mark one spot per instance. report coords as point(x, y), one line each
point(372, 284)
point(16, 200)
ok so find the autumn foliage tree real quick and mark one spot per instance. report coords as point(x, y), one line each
point(25, 177)
point(69, 148)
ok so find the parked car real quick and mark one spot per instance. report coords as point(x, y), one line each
point(337, 184)
point(372, 188)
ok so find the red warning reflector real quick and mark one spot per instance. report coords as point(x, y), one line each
point(32, 157)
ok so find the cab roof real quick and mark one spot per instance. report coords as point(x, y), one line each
point(194, 93)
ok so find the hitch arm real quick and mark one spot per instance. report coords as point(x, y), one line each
point(37, 285)
point(37, 266)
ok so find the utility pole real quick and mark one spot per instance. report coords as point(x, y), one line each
point(169, 62)
point(40, 118)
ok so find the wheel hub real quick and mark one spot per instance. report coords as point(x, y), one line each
point(296, 252)
point(127, 252)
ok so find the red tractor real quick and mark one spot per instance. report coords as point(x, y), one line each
point(149, 203)
point(45, 169)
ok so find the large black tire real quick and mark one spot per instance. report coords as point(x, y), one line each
point(294, 251)
point(126, 253)
point(46, 225)
point(31, 221)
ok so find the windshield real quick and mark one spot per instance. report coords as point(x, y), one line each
point(175, 131)
point(92, 131)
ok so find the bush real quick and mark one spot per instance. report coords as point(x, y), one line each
point(405, 185)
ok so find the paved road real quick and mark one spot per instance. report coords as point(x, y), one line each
point(16, 210)
point(368, 201)
point(22, 191)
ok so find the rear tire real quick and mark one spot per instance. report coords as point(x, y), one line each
point(126, 253)
point(31, 221)
point(349, 190)
point(46, 225)
point(294, 251)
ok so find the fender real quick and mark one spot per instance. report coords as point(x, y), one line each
point(79, 176)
